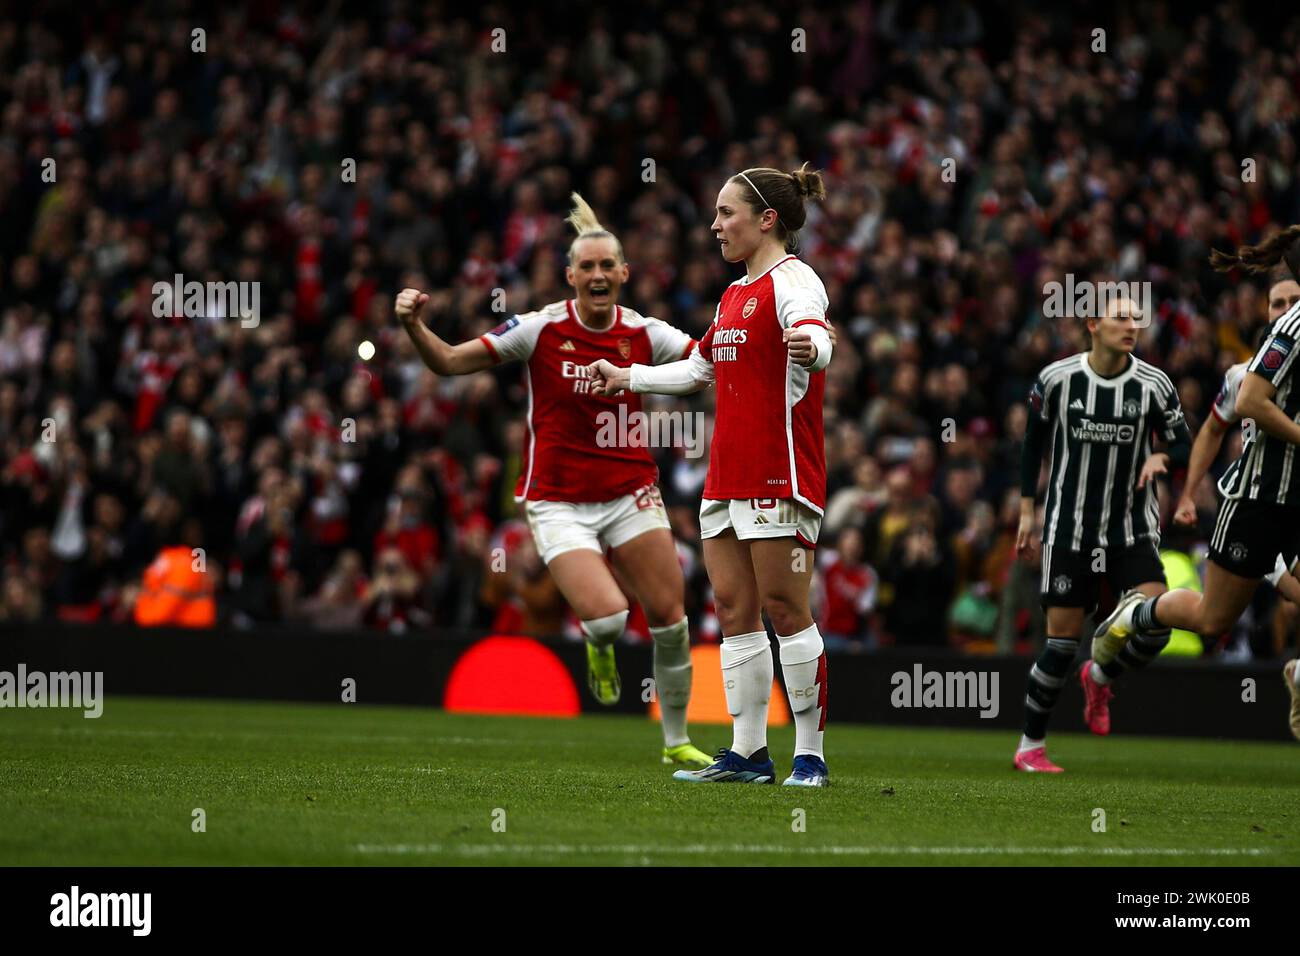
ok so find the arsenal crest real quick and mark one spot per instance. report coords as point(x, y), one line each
point(625, 348)
point(750, 306)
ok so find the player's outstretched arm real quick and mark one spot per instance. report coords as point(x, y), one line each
point(674, 378)
point(442, 358)
point(1031, 459)
point(1157, 464)
point(1255, 400)
point(1204, 450)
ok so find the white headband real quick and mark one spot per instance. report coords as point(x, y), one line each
point(760, 195)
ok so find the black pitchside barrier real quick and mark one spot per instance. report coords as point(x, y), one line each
point(1178, 698)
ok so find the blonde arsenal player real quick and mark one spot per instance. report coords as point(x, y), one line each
point(580, 495)
point(766, 486)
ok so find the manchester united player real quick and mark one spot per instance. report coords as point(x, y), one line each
point(1259, 517)
point(766, 487)
point(1095, 413)
point(1283, 296)
point(581, 494)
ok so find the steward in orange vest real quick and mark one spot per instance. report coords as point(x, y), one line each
point(174, 594)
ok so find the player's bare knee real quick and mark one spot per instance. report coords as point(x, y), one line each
point(786, 614)
point(737, 618)
point(1214, 621)
point(1064, 621)
point(663, 613)
point(735, 621)
point(727, 601)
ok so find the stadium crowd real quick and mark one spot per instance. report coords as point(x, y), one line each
point(972, 154)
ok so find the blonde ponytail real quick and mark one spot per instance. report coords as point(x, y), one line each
point(584, 222)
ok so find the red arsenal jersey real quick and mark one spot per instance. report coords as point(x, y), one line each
point(767, 439)
point(563, 461)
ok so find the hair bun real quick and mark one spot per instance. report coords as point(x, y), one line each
point(808, 182)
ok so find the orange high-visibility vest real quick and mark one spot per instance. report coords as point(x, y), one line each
point(173, 593)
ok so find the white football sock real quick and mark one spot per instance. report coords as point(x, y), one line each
point(603, 631)
point(803, 662)
point(1027, 744)
point(1099, 675)
point(747, 680)
point(672, 668)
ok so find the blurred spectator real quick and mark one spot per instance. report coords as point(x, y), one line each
point(851, 587)
point(392, 601)
point(338, 605)
point(884, 525)
point(852, 505)
point(921, 574)
point(525, 597)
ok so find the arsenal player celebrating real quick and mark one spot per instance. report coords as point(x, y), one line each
point(766, 487)
point(581, 494)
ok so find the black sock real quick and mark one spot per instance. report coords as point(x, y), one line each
point(1140, 650)
point(759, 755)
point(1046, 678)
point(1144, 617)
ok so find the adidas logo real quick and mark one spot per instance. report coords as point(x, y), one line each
point(1077, 403)
point(760, 519)
point(568, 346)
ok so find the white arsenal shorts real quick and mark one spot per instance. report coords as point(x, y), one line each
point(560, 526)
point(760, 518)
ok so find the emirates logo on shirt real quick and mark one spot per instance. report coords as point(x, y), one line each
point(725, 342)
point(750, 306)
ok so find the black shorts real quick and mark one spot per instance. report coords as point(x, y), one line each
point(1069, 578)
point(1250, 534)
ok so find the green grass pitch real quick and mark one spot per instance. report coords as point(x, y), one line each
point(349, 784)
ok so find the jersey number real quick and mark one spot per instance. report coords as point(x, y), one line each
point(649, 497)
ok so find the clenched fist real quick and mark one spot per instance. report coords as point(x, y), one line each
point(800, 347)
point(607, 378)
point(410, 302)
